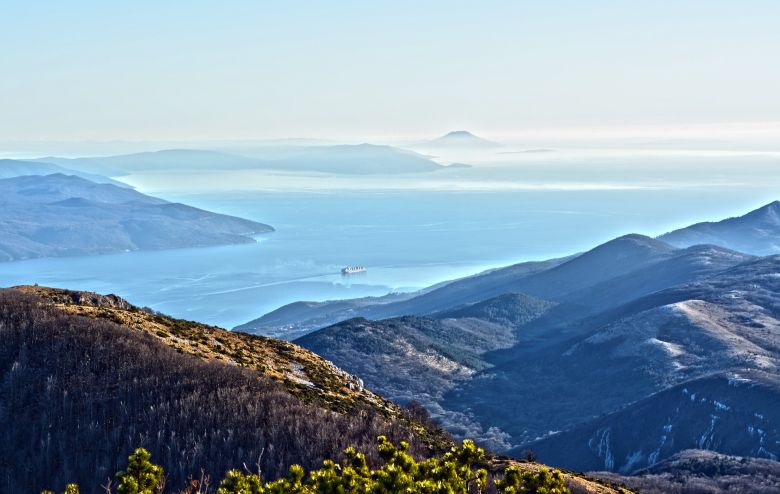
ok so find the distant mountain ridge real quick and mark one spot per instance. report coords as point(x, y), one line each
point(360, 159)
point(301, 317)
point(60, 215)
point(588, 353)
point(17, 168)
point(622, 268)
point(574, 304)
point(757, 232)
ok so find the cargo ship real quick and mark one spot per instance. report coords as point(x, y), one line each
point(353, 270)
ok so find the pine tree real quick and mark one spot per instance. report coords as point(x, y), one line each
point(455, 472)
point(141, 476)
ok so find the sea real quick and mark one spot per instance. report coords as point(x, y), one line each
point(409, 232)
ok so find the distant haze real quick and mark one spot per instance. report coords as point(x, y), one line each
point(87, 70)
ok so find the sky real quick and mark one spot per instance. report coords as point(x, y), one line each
point(152, 70)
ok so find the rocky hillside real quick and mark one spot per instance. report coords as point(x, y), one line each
point(63, 215)
point(419, 359)
point(725, 323)
point(696, 471)
point(730, 413)
point(413, 358)
point(579, 346)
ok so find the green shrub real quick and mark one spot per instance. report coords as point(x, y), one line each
point(455, 472)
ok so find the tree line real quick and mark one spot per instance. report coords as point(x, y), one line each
point(77, 394)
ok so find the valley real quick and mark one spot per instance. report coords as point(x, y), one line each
point(516, 356)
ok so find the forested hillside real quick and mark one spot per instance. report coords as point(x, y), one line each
point(78, 394)
point(86, 379)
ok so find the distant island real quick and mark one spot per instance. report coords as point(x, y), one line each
point(530, 151)
point(459, 139)
point(64, 215)
point(344, 159)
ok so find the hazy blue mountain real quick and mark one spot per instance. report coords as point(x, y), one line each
point(681, 266)
point(298, 318)
point(168, 159)
point(61, 215)
point(563, 353)
point(359, 159)
point(460, 139)
point(615, 258)
point(623, 322)
point(552, 357)
point(757, 232)
point(18, 168)
point(583, 342)
point(609, 274)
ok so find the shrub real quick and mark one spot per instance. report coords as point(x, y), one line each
point(455, 472)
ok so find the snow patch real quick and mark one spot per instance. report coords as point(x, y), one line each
point(705, 440)
point(671, 349)
point(721, 406)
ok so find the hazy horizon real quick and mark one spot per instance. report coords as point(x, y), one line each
point(390, 71)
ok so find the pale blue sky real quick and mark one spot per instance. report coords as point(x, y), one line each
point(259, 69)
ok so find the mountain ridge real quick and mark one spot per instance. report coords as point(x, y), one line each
point(10, 168)
point(756, 232)
point(346, 159)
point(625, 321)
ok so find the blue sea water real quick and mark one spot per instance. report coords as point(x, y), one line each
point(407, 239)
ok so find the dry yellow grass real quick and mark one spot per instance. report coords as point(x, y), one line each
point(304, 372)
